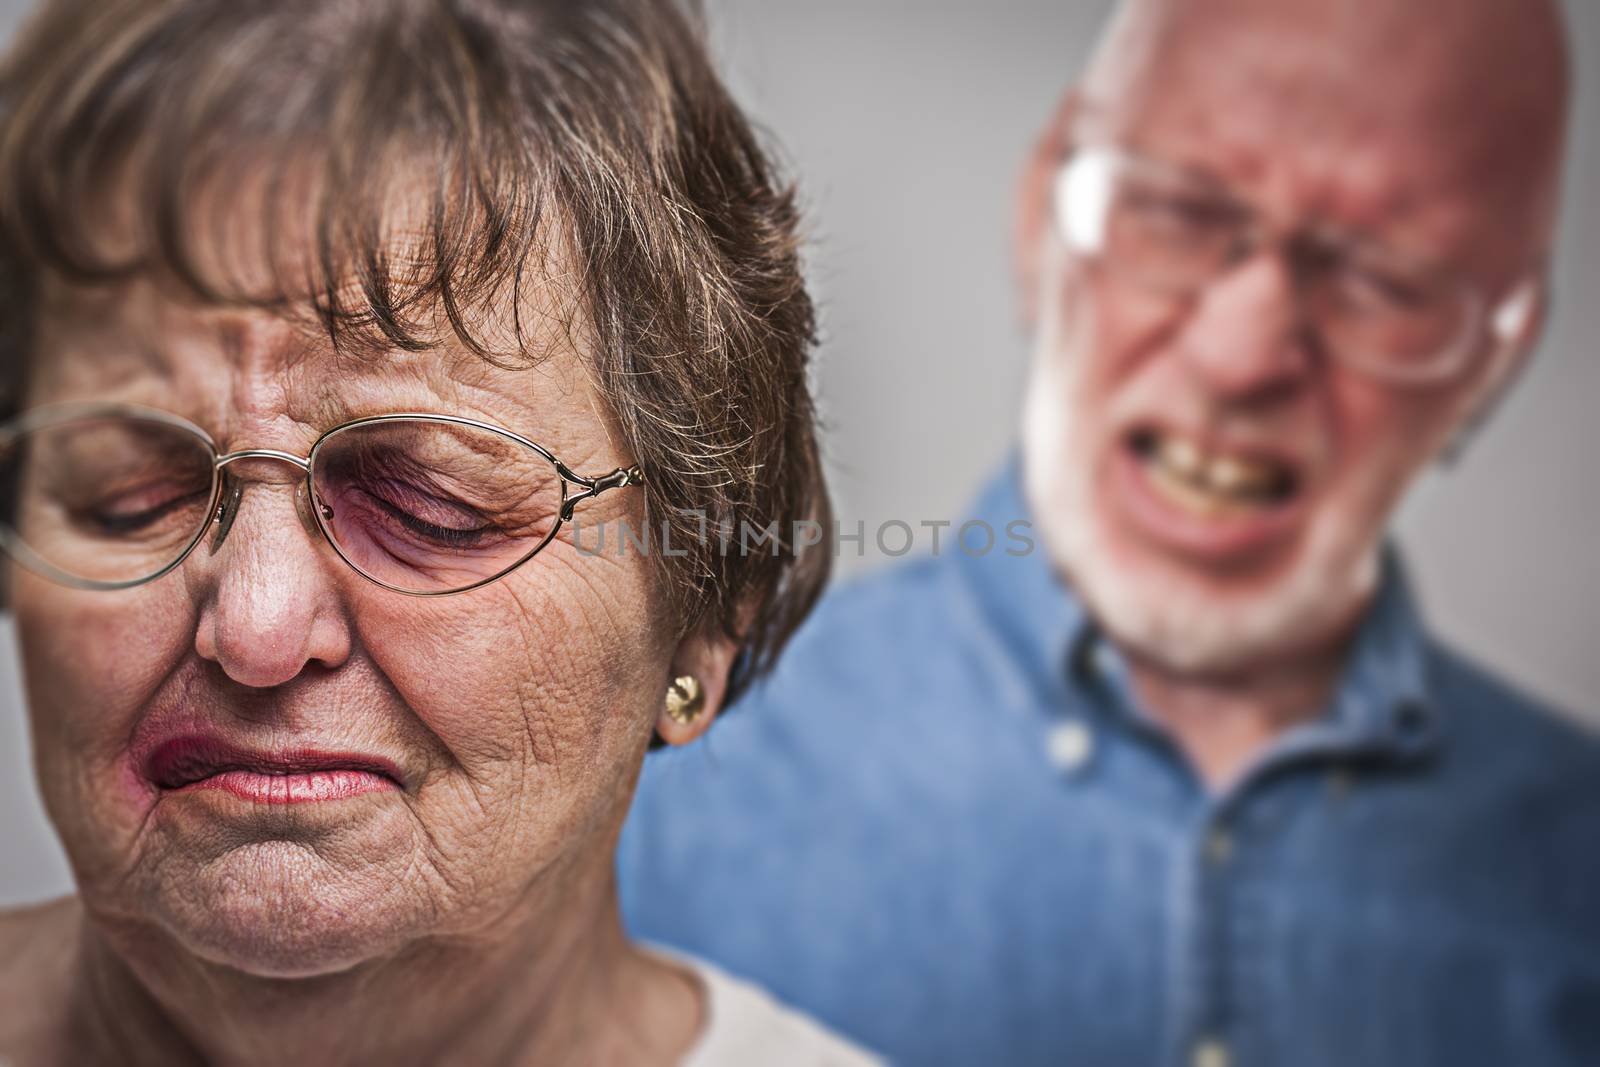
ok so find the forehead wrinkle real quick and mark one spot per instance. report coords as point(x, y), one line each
point(1294, 144)
point(1334, 174)
point(1464, 60)
point(1497, 46)
point(108, 333)
point(304, 366)
point(542, 408)
point(1405, 114)
point(367, 387)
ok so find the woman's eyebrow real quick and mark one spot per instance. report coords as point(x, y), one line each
point(330, 410)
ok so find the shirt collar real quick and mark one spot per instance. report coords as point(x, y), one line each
point(1381, 706)
point(1383, 703)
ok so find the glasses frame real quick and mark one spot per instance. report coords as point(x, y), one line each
point(219, 510)
point(1506, 320)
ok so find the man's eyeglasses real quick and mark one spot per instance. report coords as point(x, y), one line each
point(1171, 231)
point(112, 496)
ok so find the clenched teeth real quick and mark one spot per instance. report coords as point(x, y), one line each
point(1210, 483)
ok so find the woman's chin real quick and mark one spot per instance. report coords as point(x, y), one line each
point(276, 910)
point(278, 958)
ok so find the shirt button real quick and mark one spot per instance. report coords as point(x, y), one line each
point(1411, 723)
point(1219, 846)
point(1069, 746)
point(1210, 1053)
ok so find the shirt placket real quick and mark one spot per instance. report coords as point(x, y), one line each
point(1217, 934)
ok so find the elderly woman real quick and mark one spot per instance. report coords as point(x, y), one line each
point(326, 324)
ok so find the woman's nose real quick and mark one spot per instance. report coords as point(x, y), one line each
point(272, 605)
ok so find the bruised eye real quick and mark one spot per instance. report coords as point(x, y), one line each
point(423, 504)
point(416, 510)
point(390, 498)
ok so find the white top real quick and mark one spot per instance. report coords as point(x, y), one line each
point(745, 1026)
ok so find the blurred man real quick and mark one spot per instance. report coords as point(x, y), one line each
point(1191, 784)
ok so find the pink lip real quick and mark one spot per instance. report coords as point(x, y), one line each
point(192, 763)
point(1213, 539)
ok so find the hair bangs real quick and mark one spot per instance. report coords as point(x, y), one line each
point(383, 193)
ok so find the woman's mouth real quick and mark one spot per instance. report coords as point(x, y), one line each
point(185, 764)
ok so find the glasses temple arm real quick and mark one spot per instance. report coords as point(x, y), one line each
point(593, 487)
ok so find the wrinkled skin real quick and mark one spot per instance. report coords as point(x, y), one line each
point(518, 713)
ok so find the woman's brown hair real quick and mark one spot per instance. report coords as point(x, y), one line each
point(585, 145)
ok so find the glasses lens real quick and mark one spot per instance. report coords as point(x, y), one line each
point(103, 499)
point(431, 506)
point(1404, 321)
point(1162, 228)
point(1171, 233)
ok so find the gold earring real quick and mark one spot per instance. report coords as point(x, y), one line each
point(685, 699)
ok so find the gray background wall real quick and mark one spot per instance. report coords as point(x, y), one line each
point(906, 122)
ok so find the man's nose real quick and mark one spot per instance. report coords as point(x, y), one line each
point(272, 604)
point(1245, 336)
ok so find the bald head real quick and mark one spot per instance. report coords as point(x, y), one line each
point(1515, 44)
point(1462, 91)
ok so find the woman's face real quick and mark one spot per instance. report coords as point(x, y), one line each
point(512, 718)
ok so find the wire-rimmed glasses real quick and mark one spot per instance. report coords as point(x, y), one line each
point(1173, 231)
point(112, 496)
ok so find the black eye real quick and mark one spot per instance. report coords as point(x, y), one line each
point(421, 504)
point(447, 522)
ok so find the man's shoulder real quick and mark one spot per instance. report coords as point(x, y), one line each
point(877, 693)
point(886, 634)
point(1488, 698)
point(856, 666)
point(1516, 807)
point(1511, 740)
point(887, 609)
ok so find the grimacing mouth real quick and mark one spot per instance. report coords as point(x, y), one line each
point(1210, 479)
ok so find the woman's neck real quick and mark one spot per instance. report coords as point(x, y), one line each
point(569, 990)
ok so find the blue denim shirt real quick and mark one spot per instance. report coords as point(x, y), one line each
point(944, 829)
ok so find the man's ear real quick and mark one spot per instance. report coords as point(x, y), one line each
point(1035, 207)
point(1526, 313)
point(707, 656)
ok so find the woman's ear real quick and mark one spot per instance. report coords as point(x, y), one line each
point(1035, 206)
point(697, 681)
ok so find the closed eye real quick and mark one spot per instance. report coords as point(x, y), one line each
point(1382, 291)
point(115, 521)
point(407, 514)
point(1179, 212)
